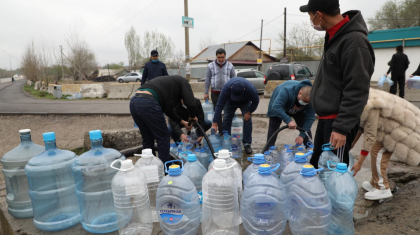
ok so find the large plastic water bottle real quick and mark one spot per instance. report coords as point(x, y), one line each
point(342, 189)
point(263, 212)
point(310, 149)
point(301, 149)
point(178, 204)
point(252, 169)
point(351, 164)
point(203, 157)
point(215, 141)
point(227, 144)
point(414, 82)
point(14, 161)
point(153, 168)
point(193, 136)
point(184, 155)
point(208, 110)
point(93, 176)
point(220, 200)
point(195, 172)
point(382, 80)
point(326, 155)
point(131, 200)
point(292, 171)
point(309, 203)
point(269, 158)
point(52, 188)
point(173, 148)
point(237, 127)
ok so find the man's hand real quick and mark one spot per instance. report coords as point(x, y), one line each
point(206, 97)
point(184, 138)
point(299, 140)
point(337, 140)
point(214, 127)
point(186, 125)
point(411, 75)
point(193, 119)
point(247, 116)
point(386, 74)
point(356, 167)
point(292, 125)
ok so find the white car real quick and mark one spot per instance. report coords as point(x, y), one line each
point(254, 76)
point(130, 77)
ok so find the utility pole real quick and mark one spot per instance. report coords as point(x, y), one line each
point(284, 46)
point(62, 66)
point(260, 65)
point(10, 60)
point(187, 43)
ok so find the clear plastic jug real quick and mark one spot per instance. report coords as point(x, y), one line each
point(342, 190)
point(173, 148)
point(203, 157)
point(269, 158)
point(14, 161)
point(215, 141)
point(264, 203)
point(178, 204)
point(208, 110)
point(310, 149)
point(292, 171)
point(131, 200)
point(326, 155)
point(252, 170)
point(220, 200)
point(195, 172)
point(153, 168)
point(93, 175)
point(227, 144)
point(310, 206)
point(237, 127)
point(52, 188)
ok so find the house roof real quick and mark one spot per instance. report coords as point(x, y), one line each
point(209, 54)
point(394, 37)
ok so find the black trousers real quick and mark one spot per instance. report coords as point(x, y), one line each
point(274, 125)
point(214, 98)
point(322, 136)
point(400, 81)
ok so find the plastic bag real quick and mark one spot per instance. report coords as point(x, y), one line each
point(389, 81)
point(382, 81)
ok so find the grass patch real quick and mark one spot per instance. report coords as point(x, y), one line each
point(79, 151)
point(36, 93)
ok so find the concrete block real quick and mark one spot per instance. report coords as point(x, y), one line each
point(29, 83)
point(123, 90)
point(118, 139)
point(96, 90)
point(51, 88)
point(37, 85)
point(197, 86)
point(69, 89)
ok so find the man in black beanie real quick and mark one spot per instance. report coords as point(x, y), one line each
point(153, 68)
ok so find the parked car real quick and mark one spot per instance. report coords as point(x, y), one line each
point(130, 77)
point(294, 71)
point(252, 75)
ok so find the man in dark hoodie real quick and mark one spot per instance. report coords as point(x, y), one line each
point(149, 104)
point(341, 88)
point(153, 68)
point(398, 67)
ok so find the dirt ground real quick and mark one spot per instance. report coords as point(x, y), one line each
point(398, 215)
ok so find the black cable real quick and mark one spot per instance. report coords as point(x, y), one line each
point(276, 132)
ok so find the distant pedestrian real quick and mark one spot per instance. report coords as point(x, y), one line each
point(13, 79)
point(237, 93)
point(149, 104)
point(291, 99)
point(153, 68)
point(219, 72)
point(416, 73)
point(398, 67)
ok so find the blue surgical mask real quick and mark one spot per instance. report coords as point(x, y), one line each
point(154, 61)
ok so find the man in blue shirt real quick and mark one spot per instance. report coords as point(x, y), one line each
point(291, 100)
point(153, 68)
point(237, 93)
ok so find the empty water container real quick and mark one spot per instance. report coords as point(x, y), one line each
point(310, 149)
point(269, 158)
point(220, 200)
point(292, 171)
point(153, 168)
point(237, 127)
point(351, 164)
point(173, 148)
point(178, 204)
point(264, 203)
point(51, 187)
point(252, 169)
point(227, 144)
point(310, 207)
point(203, 157)
point(93, 176)
point(326, 155)
point(286, 158)
point(195, 172)
point(414, 82)
point(14, 161)
point(342, 189)
point(131, 200)
point(208, 110)
point(215, 141)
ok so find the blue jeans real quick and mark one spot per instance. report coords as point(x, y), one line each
point(229, 112)
point(150, 119)
point(206, 127)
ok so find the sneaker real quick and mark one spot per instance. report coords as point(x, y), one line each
point(367, 186)
point(248, 149)
point(378, 194)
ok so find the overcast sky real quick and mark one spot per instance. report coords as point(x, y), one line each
point(103, 23)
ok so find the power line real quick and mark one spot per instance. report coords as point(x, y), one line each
point(259, 28)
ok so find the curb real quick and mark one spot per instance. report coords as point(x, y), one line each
point(62, 114)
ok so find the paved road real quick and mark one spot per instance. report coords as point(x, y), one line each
point(14, 101)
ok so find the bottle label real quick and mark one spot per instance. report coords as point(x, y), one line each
point(210, 116)
point(170, 213)
point(236, 130)
point(264, 212)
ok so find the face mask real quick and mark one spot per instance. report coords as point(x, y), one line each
point(302, 103)
point(154, 61)
point(316, 27)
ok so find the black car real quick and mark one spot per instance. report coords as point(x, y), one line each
point(292, 71)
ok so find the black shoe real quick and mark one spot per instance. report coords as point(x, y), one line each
point(248, 149)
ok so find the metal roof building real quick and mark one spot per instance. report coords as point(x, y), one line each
point(408, 37)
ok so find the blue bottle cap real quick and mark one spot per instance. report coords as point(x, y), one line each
point(49, 136)
point(267, 153)
point(266, 169)
point(257, 159)
point(272, 147)
point(309, 170)
point(227, 137)
point(96, 134)
point(192, 158)
point(300, 157)
point(342, 167)
point(289, 150)
point(174, 170)
point(180, 143)
point(300, 149)
point(286, 146)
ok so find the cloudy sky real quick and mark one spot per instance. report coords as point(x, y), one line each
point(103, 23)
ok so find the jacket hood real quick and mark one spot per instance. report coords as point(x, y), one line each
point(356, 24)
point(301, 84)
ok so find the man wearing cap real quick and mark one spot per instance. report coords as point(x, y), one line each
point(341, 88)
point(153, 68)
point(237, 93)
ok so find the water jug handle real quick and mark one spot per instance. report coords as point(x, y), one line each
point(166, 165)
point(327, 147)
point(205, 149)
point(275, 167)
point(251, 159)
point(112, 164)
point(328, 164)
point(309, 153)
point(319, 169)
point(310, 145)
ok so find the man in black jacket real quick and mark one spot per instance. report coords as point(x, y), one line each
point(153, 68)
point(398, 67)
point(341, 88)
point(182, 110)
point(416, 73)
point(149, 104)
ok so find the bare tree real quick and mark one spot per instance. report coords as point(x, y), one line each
point(205, 42)
point(155, 40)
point(29, 62)
point(132, 45)
point(44, 62)
point(80, 59)
point(396, 14)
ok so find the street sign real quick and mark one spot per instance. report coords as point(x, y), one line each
point(187, 22)
point(259, 61)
